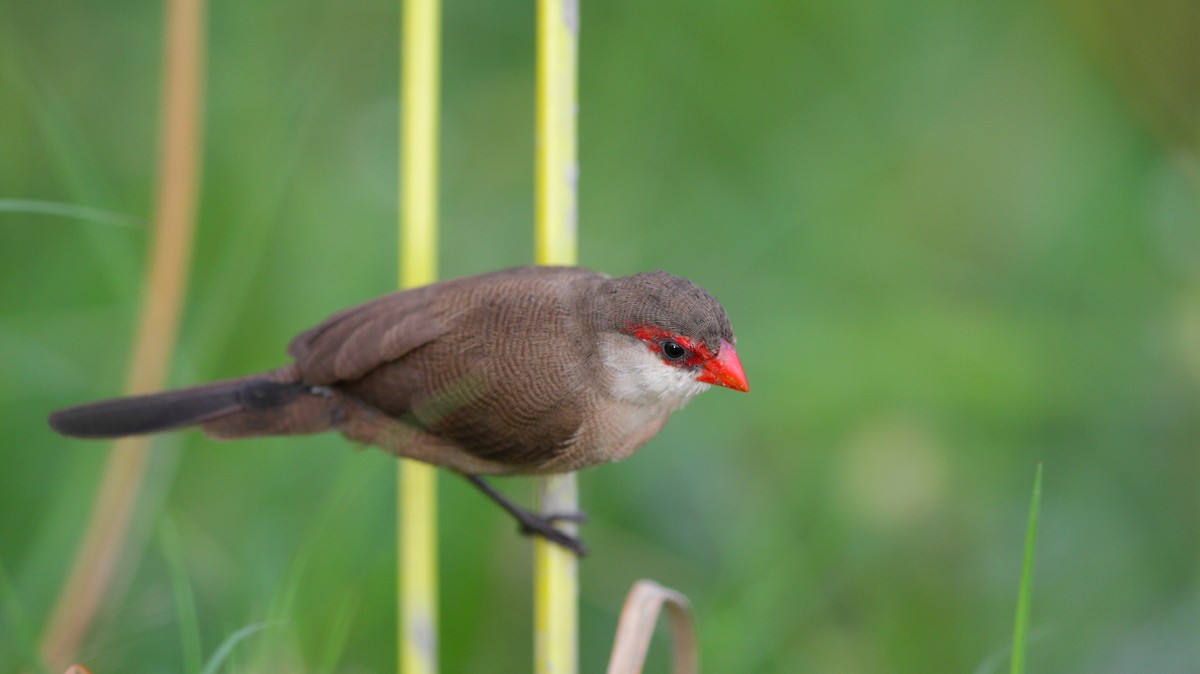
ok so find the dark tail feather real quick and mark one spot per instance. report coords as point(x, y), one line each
point(139, 415)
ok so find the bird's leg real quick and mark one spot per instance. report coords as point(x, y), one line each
point(533, 523)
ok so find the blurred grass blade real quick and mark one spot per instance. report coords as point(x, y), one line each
point(16, 626)
point(185, 598)
point(636, 628)
point(226, 648)
point(282, 610)
point(69, 151)
point(222, 301)
point(1025, 594)
point(338, 633)
point(88, 213)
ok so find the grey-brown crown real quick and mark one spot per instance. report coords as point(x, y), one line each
point(665, 301)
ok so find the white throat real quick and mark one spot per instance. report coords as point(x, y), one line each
point(640, 376)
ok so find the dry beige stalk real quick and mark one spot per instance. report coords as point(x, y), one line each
point(166, 281)
point(636, 627)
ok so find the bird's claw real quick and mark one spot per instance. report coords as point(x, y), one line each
point(543, 525)
point(534, 524)
point(578, 517)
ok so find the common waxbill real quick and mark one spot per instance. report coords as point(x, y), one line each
point(526, 371)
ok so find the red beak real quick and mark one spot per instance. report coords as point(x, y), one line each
point(725, 369)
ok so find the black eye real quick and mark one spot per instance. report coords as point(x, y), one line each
point(672, 350)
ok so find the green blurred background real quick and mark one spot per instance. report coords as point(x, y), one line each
point(955, 239)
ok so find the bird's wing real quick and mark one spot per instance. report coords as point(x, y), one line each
point(351, 343)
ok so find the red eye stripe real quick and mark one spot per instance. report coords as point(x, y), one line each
point(653, 337)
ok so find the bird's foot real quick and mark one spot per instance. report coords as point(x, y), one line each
point(578, 517)
point(532, 524)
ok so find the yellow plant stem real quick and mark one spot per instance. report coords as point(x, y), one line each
point(557, 102)
point(417, 482)
point(556, 592)
point(165, 287)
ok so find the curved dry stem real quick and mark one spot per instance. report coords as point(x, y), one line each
point(166, 281)
point(636, 628)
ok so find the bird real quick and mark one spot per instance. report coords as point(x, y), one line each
point(526, 371)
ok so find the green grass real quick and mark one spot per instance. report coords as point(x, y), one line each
point(185, 600)
point(1025, 594)
point(17, 623)
point(225, 649)
point(85, 213)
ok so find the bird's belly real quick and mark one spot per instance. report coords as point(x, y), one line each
point(611, 436)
